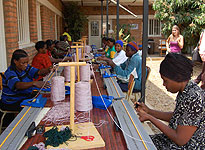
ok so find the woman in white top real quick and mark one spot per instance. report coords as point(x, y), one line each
point(120, 56)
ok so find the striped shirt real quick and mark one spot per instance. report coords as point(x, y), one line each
point(12, 95)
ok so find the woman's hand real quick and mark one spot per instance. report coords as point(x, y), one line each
point(102, 58)
point(142, 107)
point(143, 116)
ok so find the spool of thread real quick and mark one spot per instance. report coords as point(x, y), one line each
point(57, 89)
point(79, 53)
point(85, 73)
point(83, 98)
point(87, 49)
point(67, 73)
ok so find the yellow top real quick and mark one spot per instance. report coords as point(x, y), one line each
point(69, 37)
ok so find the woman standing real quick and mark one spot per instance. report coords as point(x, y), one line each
point(175, 41)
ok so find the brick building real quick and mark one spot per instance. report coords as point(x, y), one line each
point(92, 9)
point(24, 22)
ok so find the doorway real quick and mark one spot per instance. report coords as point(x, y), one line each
point(94, 29)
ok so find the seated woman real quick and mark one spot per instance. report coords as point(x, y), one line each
point(41, 60)
point(120, 57)
point(18, 81)
point(110, 52)
point(50, 50)
point(132, 65)
point(186, 129)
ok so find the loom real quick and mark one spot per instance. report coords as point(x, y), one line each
point(76, 129)
point(39, 101)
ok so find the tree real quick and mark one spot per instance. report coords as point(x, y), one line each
point(189, 15)
point(75, 20)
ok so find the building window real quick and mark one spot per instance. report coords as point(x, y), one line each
point(154, 27)
point(23, 22)
point(95, 28)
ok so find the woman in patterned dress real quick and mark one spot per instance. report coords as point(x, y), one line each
point(186, 129)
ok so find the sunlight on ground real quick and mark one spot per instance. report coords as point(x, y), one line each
point(156, 94)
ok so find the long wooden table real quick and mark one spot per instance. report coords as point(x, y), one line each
point(113, 139)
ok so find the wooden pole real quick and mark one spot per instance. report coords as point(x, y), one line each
point(77, 59)
point(72, 97)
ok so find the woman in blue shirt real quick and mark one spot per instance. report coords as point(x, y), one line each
point(18, 81)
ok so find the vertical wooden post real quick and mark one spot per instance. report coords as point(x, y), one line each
point(72, 89)
point(77, 59)
point(72, 97)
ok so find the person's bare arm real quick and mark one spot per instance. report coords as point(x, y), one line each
point(180, 41)
point(26, 85)
point(165, 116)
point(167, 43)
point(180, 136)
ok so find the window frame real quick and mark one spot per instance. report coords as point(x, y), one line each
point(23, 25)
point(154, 28)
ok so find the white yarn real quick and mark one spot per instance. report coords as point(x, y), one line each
point(83, 98)
point(88, 49)
point(57, 89)
point(85, 73)
point(58, 114)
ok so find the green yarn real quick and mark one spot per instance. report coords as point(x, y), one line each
point(55, 137)
point(33, 148)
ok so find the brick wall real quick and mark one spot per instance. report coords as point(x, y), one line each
point(89, 10)
point(57, 3)
point(47, 23)
point(138, 10)
point(33, 21)
point(11, 25)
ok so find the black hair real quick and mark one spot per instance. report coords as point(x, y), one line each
point(176, 67)
point(56, 42)
point(65, 28)
point(111, 40)
point(39, 45)
point(17, 54)
point(62, 37)
point(49, 43)
point(104, 38)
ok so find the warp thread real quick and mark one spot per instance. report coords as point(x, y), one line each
point(85, 73)
point(57, 89)
point(58, 114)
point(83, 98)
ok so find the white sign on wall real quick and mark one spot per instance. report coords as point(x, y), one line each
point(134, 26)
